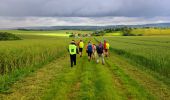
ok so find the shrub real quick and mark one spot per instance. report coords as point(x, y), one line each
point(8, 36)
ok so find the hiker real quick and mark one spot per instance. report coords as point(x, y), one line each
point(81, 46)
point(94, 51)
point(89, 50)
point(106, 48)
point(100, 52)
point(73, 51)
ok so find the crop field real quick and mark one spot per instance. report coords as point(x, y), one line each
point(38, 68)
point(45, 33)
point(151, 31)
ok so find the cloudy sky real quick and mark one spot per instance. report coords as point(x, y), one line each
point(21, 13)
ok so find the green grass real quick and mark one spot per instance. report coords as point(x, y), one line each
point(46, 33)
point(24, 71)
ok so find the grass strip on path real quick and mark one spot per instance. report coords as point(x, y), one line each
point(67, 84)
point(62, 84)
point(133, 89)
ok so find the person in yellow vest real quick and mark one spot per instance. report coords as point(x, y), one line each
point(81, 46)
point(106, 48)
point(73, 51)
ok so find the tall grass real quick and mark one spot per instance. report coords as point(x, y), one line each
point(19, 58)
point(28, 53)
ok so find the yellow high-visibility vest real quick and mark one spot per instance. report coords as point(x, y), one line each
point(107, 46)
point(72, 49)
point(81, 45)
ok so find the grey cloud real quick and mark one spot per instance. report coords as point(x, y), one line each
point(12, 22)
point(85, 8)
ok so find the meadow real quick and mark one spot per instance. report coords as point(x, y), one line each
point(38, 67)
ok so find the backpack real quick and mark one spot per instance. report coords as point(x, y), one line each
point(89, 48)
point(100, 49)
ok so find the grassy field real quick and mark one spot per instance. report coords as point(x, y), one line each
point(150, 52)
point(144, 32)
point(114, 34)
point(38, 68)
point(151, 32)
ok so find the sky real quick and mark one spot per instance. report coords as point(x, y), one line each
point(26, 13)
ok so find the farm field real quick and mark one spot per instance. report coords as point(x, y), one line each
point(114, 34)
point(38, 68)
point(151, 31)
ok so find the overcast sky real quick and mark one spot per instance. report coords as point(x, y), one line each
point(18, 13)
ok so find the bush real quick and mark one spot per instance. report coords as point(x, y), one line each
point(140, 34)
point(71, 35)
point(8, 36)
point(128, 34)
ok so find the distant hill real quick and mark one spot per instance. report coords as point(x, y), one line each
point(153, 25)
point(66, 28)
point(166, 25)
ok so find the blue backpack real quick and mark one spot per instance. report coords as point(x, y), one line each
point(90, 48)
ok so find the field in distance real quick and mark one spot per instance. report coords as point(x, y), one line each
point(64, 33)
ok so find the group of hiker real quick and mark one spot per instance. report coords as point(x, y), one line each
point(94, 51)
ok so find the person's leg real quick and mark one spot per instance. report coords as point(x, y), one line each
point(88, 56)
point(104, 52)
point(74, 59)
point(102, 56)
point(81, 52)
point(91, 55)
point(107, 53)
point(71, 60)
point(97, 58)
point(94, 55)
